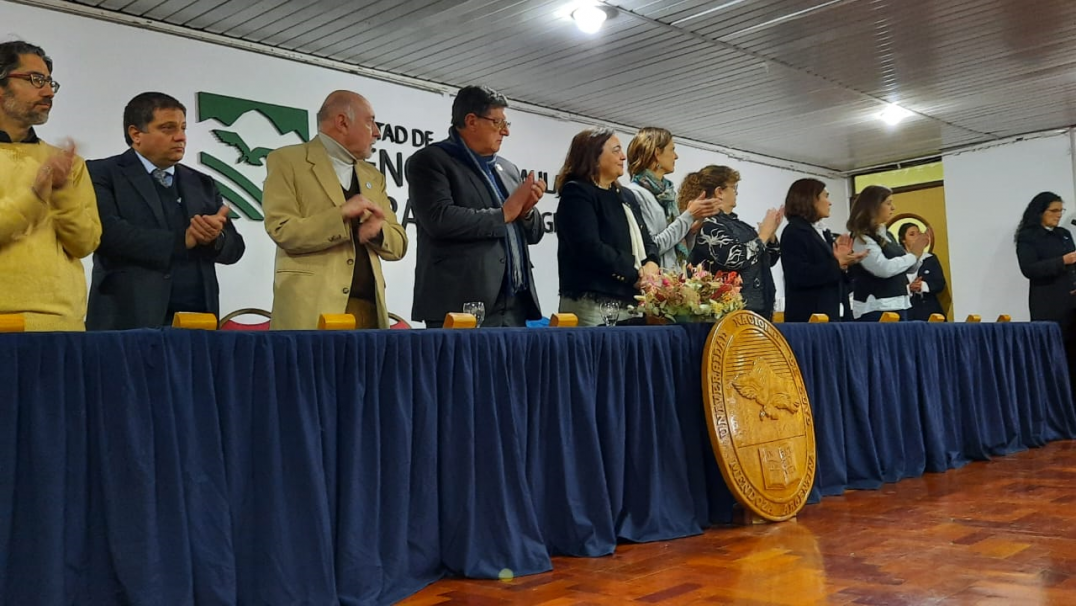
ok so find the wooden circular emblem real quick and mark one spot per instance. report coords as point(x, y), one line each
point(760, 421)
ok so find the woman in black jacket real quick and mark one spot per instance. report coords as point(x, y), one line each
point(725, 243)
point(603, 247)
point(1047, 259)
point(814, 260)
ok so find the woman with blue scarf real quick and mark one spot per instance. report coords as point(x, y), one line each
point(651, 156)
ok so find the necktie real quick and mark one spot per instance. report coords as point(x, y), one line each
point(162, 177)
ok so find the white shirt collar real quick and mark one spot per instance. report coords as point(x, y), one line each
point(150, 167)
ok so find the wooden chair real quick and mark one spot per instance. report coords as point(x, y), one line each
point(398, 322)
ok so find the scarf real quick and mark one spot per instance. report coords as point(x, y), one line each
point(665, 193)
point(456, 148)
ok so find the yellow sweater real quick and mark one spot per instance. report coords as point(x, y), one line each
point(41, 243)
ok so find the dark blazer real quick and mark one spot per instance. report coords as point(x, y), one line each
point(923, 305)
point(131, 281)
point(461, 252)
point(1039, 253)
point(814, 280)
point(594, 245)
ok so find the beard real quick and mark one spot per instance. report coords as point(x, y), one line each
point(25, 113)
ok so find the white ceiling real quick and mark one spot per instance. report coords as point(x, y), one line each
point(799, 80)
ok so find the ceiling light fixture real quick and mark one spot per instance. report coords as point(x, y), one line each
point(894, 114)
point(589, 18)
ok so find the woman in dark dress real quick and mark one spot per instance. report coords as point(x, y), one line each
point(1047, 258)
point(815, 261)
point(725, 243)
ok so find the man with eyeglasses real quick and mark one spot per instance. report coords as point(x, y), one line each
point(475, 218)
point(48, 215)
point(165, 225)
point(329, 213)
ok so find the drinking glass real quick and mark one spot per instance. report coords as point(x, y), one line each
point(476, 309)
point(610, 312)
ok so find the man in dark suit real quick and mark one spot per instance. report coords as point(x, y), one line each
point(164, 225)
point(475, 218)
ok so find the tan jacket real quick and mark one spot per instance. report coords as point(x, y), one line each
point(315, 257)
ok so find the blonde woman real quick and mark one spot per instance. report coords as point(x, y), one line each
point(652, 156)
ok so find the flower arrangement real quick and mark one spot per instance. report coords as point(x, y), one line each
point(691, 294)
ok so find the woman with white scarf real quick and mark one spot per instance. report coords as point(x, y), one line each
point(652, 156)
point(604, 247)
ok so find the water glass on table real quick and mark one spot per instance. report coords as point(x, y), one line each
point(610, 312)
point(476, 309)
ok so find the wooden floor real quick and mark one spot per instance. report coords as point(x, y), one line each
point(1002, 532)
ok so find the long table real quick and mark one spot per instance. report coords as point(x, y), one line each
point(187, 467)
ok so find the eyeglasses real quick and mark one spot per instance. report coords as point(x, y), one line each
point(499, 124)
point(38, 80)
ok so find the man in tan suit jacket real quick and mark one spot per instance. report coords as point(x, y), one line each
point(327, 210)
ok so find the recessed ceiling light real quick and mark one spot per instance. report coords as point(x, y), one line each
point(893, 114)
point(589, 17)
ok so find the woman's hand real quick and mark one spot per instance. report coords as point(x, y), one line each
point(842, 252)
point(702, 207)
point(767, 230)
point(920, 243)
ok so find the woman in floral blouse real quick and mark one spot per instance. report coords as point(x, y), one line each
point(726, 243)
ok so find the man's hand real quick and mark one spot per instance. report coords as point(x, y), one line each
point(369, 229)
point(205, 229)
point(525, 198)
point(54, 172)
point(916, 285)
point(357, 206)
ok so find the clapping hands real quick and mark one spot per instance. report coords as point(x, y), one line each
point(842, 251)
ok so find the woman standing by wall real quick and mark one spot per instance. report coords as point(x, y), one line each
point(603, 246)
point(725, 243)
point(1047, 258)
point(652, 156)
point(878, 282)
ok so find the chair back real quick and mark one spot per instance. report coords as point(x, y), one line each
point(229, 322)
point(398, 322)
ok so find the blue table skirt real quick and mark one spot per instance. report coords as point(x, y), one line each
point(175, 467)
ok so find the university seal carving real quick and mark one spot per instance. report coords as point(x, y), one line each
point(760, 421)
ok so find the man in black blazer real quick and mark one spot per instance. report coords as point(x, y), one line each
point(164, 225)
point(475, 218)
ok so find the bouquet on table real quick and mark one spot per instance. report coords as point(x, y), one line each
point(690, 294)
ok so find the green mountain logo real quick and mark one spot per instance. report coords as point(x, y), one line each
point(227, 111)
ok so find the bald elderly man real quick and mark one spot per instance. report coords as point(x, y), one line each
point(327, 210)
